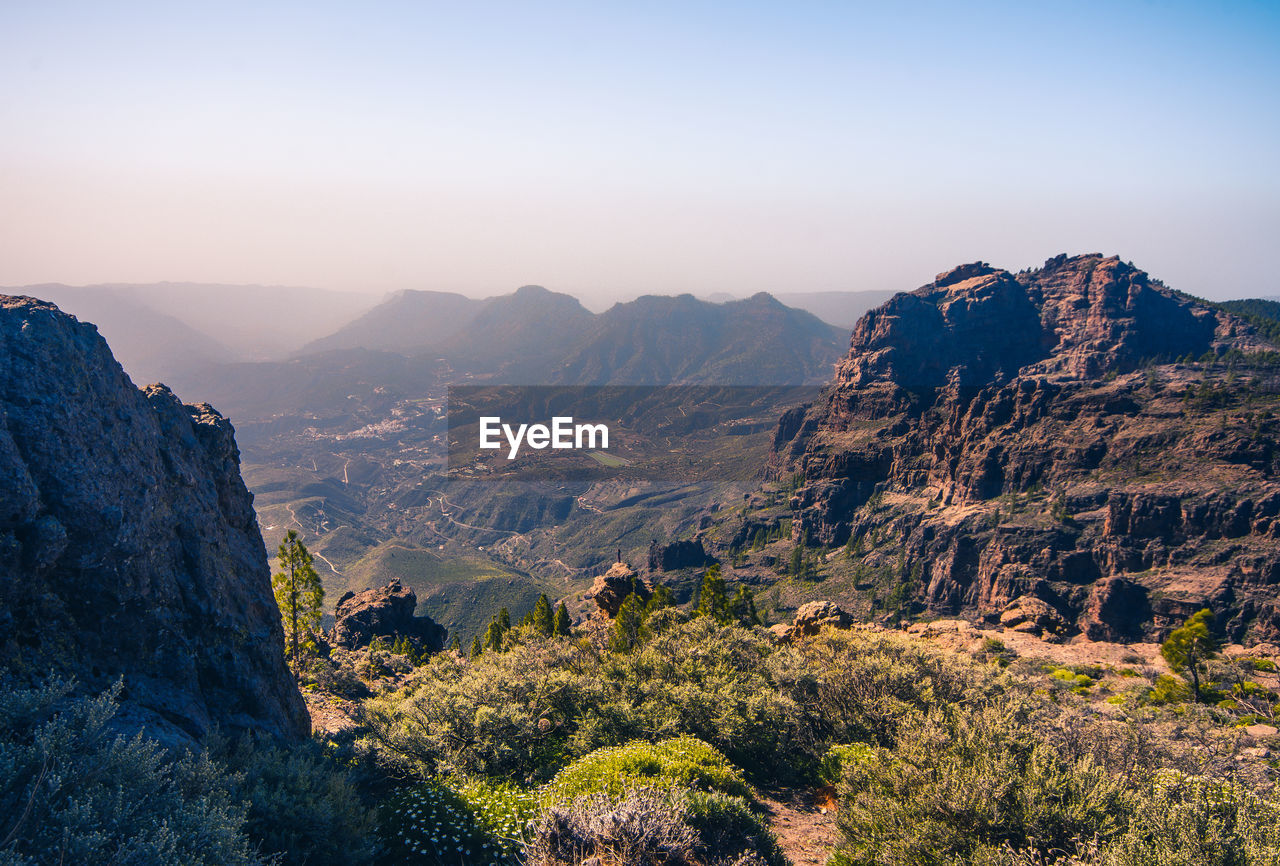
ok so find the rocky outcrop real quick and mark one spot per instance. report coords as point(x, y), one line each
point(677, 555)
point(1034, 616)
point(1078, 434)
point(128, 542)
point(387, 613)
point(610, 589)
point(810, 619)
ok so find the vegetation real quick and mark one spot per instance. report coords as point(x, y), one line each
point(1189, 647)
point(300, 597)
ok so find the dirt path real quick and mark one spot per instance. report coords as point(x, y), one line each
point(805, 834)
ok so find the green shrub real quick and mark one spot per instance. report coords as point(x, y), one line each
point(1169, 690)
point(683, 762)
point(502, 811)
point(967, 782)
point(433, 825)
point(831, 769)
point(529, 711)
point(73, 791)
point(304, 808)
point(1193, 821)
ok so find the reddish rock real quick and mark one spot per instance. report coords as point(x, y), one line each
point(387, 613)
point(610, 589)
point(812, 617)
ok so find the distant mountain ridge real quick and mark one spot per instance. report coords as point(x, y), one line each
point(535, 336)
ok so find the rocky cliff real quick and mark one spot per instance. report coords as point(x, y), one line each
point(128, 543)
point(1077, 433)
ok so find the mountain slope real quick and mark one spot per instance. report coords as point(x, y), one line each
point(150, 345)
point(659, 340)
point(1075, 433)
point(408, 322)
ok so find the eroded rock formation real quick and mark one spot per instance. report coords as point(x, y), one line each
point(128, 542)
point(385, 612)
point(1078, 434)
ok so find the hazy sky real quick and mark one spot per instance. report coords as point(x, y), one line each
point(609, 149)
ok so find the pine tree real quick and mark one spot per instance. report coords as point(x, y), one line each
point(743, 607)
point(493, 635)
point(299, 595)
point(455, 645)
point(476, 648)
point(1189, 647)
point(713, 601)
point(563, 626)
point(626, 625)
point(504, 620)
point(543, 619)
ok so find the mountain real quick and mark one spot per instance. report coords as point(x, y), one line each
point(130, 544)
point(521, 335)
point(161, 331)
point(1078, 434)
point(408, 322)
point(150, 345)
point(842, 309)
point(660, 340)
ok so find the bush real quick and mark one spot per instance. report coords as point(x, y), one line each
point(1193, 821)
point(527, 712)
point(643, 826)
point(303, 807)
point(72, 791)
point(966, 783)
point(650, 825)
point(677, 763)
point(434, 825)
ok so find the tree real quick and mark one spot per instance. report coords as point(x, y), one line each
point(563, 625)
point(504, 620)
point(543, 619)
point(1189, 647)
point(455, 645)
point(493, 635)
point(476, 648)
point(743, 607)
point(713, 601)
point(299, 595)
point(626, 625)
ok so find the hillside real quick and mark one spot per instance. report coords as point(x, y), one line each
point(657, 340)
point(1075, 433)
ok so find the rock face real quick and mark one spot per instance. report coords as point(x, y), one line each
point(610, 589)
point(386, 612)
point(1077, 433)
point(678, 554)
point(128, 542)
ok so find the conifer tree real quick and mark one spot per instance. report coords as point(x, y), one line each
point(1189, 647)
point(626, 625)
point(543, 619)
point(713, 600)
point(563, 626)
point(493, 635)
point(504, 620)
point(455, 645)
point(476, 648)
point(299, 595)
point(743, 607)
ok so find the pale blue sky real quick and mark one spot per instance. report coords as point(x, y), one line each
point(610, 149)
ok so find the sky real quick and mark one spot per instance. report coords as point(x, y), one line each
point(612, 149)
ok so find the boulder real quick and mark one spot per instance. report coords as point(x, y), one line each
point(385, 612)
point(812, 617)
point(1033, 616)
